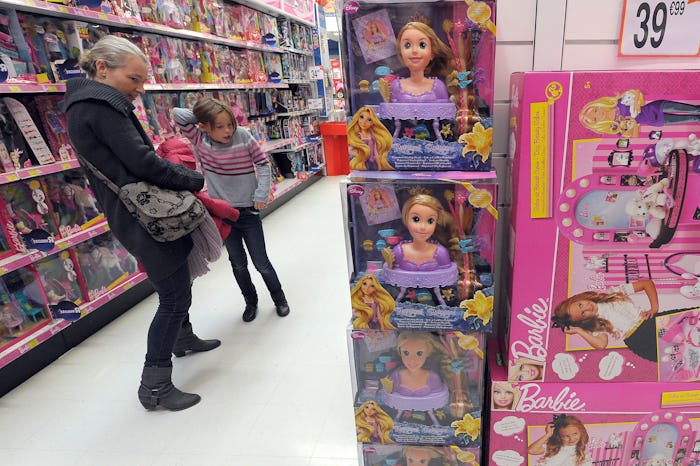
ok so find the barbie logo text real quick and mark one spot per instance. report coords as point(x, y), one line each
point(530, 400)
point(535, 318)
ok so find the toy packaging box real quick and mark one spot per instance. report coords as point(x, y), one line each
point(415, 387)
point(597, 423)
point(22, 305)
point(72, 201)
point(28, 218)
point(409, 455)
point(420, 249)
point(104, 264)
point(420, 78)
point(605, 226)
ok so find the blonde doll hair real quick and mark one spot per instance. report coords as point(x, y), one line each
point(364, 312)
point(360, 151)
point(365, 430)
point(443, 62)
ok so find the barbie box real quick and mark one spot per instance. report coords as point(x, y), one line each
point(605, 251)
point(592, 424)
point(414, 387)
point(421, 249)
point(420, 77)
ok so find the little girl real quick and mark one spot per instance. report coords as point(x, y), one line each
point(563, 443)
point(594, 316)
point(238, 171)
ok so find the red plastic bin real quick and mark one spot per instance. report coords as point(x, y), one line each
point(335, 146)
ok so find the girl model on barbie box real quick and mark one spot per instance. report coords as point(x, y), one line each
point(106, 132)
point(595, 316)
point(238, 171)
point(563, 444)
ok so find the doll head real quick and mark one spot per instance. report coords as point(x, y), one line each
point(415, 455)
point(415, 348)
point(373, 424)
point(503, 395)
point(568, 431)
point(525, 370)
point(216, 119)
point(418, 38)
point(423, 211)
point(366, 121)
point(581, 310)
point(369, 289)
point(600, 116)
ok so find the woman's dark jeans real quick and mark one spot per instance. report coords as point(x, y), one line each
point(175, 298)
point(249, 229)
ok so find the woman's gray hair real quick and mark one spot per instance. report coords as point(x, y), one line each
point(113, 50)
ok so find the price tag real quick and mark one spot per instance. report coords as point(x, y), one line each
point(316, 73)
point(660, 28)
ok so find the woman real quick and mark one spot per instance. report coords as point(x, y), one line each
point(105, 131)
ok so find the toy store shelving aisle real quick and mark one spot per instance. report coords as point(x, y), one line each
point(59, 262)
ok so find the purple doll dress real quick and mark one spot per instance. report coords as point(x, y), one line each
point(440, 271)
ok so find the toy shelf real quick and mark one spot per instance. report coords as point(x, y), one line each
point(54, 326)
point(33, 172)
point(31, 88)
point(18, 261)
point(296, 148)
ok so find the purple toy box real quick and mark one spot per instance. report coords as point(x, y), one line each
point(421, 248)
point(605, 248)
point(413, 387)
point(420, 80)
point(593, 424)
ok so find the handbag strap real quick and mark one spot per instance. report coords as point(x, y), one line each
point(100, 175)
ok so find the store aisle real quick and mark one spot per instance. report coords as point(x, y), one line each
point(277, 392)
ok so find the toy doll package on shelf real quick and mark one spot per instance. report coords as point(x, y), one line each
point(420, 247)
point(377, 454)
point(605, 252)
point(420, 78)
point(418, 388)
point(593, 424)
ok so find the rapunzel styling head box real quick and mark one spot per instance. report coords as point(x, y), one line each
point(413, 387)
point(420, 81)
point(605, 248)
point(378, 454)
point(598, 423)
point(421, 248)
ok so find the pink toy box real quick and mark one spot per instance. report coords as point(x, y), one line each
point(607, 424)
point(420, 247)
point(606, 202)
point(413, 387)
point(410, 455)
point(420, 80)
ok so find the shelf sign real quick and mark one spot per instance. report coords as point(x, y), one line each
point(660, 28)
point(316, 73)
point(315, 104)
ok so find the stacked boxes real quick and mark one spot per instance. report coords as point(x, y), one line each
point(421, 221)
point(605, 269)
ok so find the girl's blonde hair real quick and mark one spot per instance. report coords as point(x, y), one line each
point(365, 430)
point(364, 313)
point(360, 150)
point(443, 62)
point(114, 51)
point(208, 108)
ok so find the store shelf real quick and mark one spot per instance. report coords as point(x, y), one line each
point(296, 148)
point(289, 188)
point(39, 335)
point(31, 88)
point(297, 113)
point(261, 6)
point(40, 170)
point(18, 261)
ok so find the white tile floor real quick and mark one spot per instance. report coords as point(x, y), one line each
point(277, 392)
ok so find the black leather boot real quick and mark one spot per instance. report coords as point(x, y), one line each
point(157, 389)
point(281, 305)
point(188, 341)
point(251, 308)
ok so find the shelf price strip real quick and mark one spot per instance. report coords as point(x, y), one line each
point(660, 28)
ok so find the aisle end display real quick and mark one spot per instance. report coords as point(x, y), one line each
point(605, 224)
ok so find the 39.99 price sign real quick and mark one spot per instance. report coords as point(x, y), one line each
point(668, 28)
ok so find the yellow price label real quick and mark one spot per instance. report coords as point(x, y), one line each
point(32, 343)
point(15, 88)
point(51, 88)
point(12, 177)
point(66, 166)
point(62, 245)
point(102, 16)
point(34, 172)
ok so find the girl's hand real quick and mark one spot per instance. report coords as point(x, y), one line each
point(259, 205)
point(573, 330)
point(649, 313)
point(548, 431)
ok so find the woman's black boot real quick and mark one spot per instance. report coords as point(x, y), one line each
point(251, 308)
point(188, 341)
point(281, 305)
point(157, 389)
